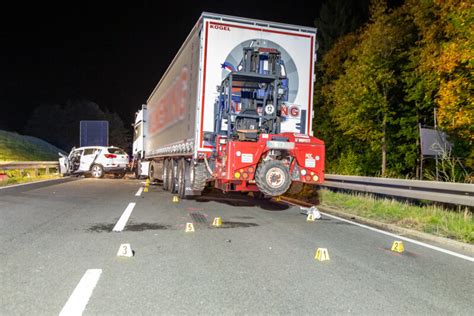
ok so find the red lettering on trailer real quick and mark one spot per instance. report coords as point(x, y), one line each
point(290, 110)
point(171, 107)
point(220, 27)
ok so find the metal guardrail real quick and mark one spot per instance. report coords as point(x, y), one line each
point(36, 165)
point(445, 192)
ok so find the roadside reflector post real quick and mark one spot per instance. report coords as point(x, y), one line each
point(189, 228)
point(125, 250)
point(217, 222)
point(398, 246)
point(310, 217)
point(175, 199)
point(322, 254)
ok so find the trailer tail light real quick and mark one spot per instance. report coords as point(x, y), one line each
point(303, 172)
point(110, 156)
point(250, 170)
point(237, 175)
point(315, 178)
point(245, 175)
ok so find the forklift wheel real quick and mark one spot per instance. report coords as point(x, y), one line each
point(272, 178)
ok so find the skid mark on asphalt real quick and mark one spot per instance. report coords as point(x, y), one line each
point(134, 227)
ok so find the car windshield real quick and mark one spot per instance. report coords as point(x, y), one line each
point(117, 151)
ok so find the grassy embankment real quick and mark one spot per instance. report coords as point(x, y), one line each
point(432, 219)
point(15, 147)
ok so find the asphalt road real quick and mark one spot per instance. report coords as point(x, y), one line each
point(260, 262)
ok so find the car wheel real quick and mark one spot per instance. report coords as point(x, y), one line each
point(97, 171)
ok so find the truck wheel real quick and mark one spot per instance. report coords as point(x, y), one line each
point(171, 176)
point(181, 179)
point(198, 177)
point(272, 178)
point(151, 173)
point(138, 169)
point(97, 171)
point(165, 175)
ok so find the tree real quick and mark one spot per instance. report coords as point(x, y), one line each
point(59, 124)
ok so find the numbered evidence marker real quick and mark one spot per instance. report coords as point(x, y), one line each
point(397, 246)
point(189, 228)
point(310, 217)
point(175, 199)
point(217, 222)
point(145, 189)
point(322, 254)
point(125, 250)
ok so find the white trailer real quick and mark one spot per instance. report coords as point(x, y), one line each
point(179, 116)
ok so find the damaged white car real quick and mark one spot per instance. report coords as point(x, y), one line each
point(95, 161)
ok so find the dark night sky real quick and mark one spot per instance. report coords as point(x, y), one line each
point(111, 54)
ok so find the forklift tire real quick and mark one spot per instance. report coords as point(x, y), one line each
point(97, 171)
point(199, 176)
point(181, 178)
point(272, 178)
point(165, 175)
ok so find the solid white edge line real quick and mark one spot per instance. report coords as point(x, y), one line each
point(124, 218)
point(139, 192)
point(28, 183)
point(79, 298)
point(449, 252)
point(419, 243)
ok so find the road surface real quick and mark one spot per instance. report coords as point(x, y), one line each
point(261, 261)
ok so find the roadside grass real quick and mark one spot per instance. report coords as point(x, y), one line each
point(28, 175)
point(16, 147)
point(436, 220)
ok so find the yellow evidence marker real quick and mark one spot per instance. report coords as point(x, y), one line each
point(175, 199)
point(310, 217)
point(217, 222)
point(397, 246)
point(189, 228)
point(145, 189)
point(322, 254)
point(147, 182)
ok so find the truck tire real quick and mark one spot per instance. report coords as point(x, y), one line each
point(181, 178)
point(198, 176)
point(272, 178)
point(165, 175)
point(171, 175)
point(151, 173)
point(138, 169)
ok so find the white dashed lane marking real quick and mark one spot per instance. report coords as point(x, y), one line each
point(139, 192)
point(124, 218)
point(78, 300)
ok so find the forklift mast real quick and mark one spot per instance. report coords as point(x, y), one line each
point(250, 99)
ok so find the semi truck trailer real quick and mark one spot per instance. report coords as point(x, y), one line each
point(233, 111)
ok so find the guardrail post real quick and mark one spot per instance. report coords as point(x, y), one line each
point(47, 171)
